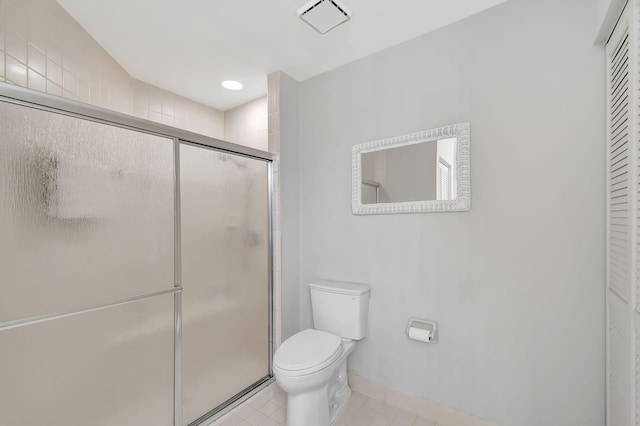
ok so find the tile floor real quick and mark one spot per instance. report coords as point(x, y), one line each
point(268, 408)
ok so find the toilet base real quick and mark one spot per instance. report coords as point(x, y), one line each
point(317, 399)
point(342, 404)
point(320, 406)
point(313, 409)
point(339, 392)
point(308, 409)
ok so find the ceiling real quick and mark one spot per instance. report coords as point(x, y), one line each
point(189, 47)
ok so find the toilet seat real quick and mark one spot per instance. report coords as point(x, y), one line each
point(307, 352)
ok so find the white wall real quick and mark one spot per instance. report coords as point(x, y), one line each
point(517, 283)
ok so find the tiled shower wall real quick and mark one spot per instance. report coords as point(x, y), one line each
point(247, 124)
point(273, 140)
point(43, 48)
point(161, 106)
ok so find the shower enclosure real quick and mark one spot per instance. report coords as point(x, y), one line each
point(135, 268)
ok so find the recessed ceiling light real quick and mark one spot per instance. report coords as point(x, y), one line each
point(232, 85)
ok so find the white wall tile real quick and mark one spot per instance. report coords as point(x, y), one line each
point(37, 60)
point(247, 124)
point(42, 36)
point(16, 46)
point(16, 71)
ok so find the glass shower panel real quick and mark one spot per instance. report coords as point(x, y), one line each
point(86, 212)
point(225, 276)
point(110, 367)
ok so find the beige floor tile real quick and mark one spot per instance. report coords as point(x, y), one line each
point(232, 420)
point(382, 419)
point(419, 421)
point(280, 414)
point(271, 422)
point(280, 399)
point(256, 418)
point(398, 422)
point(244, 411)
point(257, 401)
point(372, 404)
point(268, 408)
point(405, 417)
point(428, 410)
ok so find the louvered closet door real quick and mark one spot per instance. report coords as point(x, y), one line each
point(622, 199)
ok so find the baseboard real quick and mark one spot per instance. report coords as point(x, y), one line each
point(424, 408)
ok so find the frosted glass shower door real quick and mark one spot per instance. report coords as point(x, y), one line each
point(225, 276)
point(86, 212)
point(87, 281)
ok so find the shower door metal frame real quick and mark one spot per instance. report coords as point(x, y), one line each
point(32, 99)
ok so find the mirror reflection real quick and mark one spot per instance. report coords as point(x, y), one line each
point(418, 172)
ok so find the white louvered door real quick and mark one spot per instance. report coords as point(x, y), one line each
point(623, 232)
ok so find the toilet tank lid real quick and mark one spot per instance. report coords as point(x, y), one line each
point(340, 287)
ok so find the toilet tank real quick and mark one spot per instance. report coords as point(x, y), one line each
point(340, 308)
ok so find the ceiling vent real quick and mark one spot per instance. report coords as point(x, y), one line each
point(324, 15)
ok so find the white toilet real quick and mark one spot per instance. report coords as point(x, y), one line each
point(311, 366)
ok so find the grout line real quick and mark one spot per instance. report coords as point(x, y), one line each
point(360, 410)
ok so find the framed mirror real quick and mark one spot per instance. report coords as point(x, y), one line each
point(428, 171)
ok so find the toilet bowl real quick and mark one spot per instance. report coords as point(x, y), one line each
point(311, 366)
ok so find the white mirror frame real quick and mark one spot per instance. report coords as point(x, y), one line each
point(461, 131)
